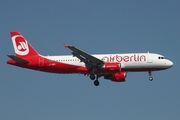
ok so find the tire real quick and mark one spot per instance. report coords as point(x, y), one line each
point(96, 83)
point(92, 76)
point(150, 78)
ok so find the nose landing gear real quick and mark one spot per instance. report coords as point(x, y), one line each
point(150, 76)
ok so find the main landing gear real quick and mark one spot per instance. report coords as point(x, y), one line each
point(150, 76)
point(93, 77)
point(96, 83)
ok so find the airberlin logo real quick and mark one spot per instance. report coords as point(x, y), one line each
point(20, 45)
point(126, 58)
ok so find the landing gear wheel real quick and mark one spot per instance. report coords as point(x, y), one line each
point(92, 76)
point(150, 78)
point(96, 83)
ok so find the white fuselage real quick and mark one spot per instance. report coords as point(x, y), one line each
point(128, 61)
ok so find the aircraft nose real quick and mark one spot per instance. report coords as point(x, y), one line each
point(169, 63)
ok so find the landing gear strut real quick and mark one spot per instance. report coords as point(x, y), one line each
point(150, 76)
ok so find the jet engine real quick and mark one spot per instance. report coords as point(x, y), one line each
point(117, 77)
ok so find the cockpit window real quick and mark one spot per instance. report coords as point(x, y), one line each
point(161, 58)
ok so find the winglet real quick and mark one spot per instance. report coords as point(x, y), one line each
point(66, 45)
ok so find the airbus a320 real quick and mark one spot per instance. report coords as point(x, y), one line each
point(112, 67)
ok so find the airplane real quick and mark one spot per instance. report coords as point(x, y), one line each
point(112, 67)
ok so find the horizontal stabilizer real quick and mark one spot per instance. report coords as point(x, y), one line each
point(18, 60)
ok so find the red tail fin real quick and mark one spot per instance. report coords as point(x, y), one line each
point(21, 47)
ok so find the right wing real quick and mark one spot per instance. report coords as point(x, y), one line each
point(89, 60)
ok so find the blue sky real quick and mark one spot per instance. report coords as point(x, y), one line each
point(96, 27)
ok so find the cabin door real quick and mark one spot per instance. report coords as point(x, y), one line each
point(41, 61)
point(149, 58)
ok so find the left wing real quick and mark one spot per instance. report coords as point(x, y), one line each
point(89, 60)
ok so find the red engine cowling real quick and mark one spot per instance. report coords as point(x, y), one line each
point(112, 67)
point(117, 77)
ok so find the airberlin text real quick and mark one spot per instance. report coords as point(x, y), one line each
point(126, 58)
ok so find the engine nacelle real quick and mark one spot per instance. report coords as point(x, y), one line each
point(112, 67)
point(117, 77)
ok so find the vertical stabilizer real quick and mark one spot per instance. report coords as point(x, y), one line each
point(21, 47)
